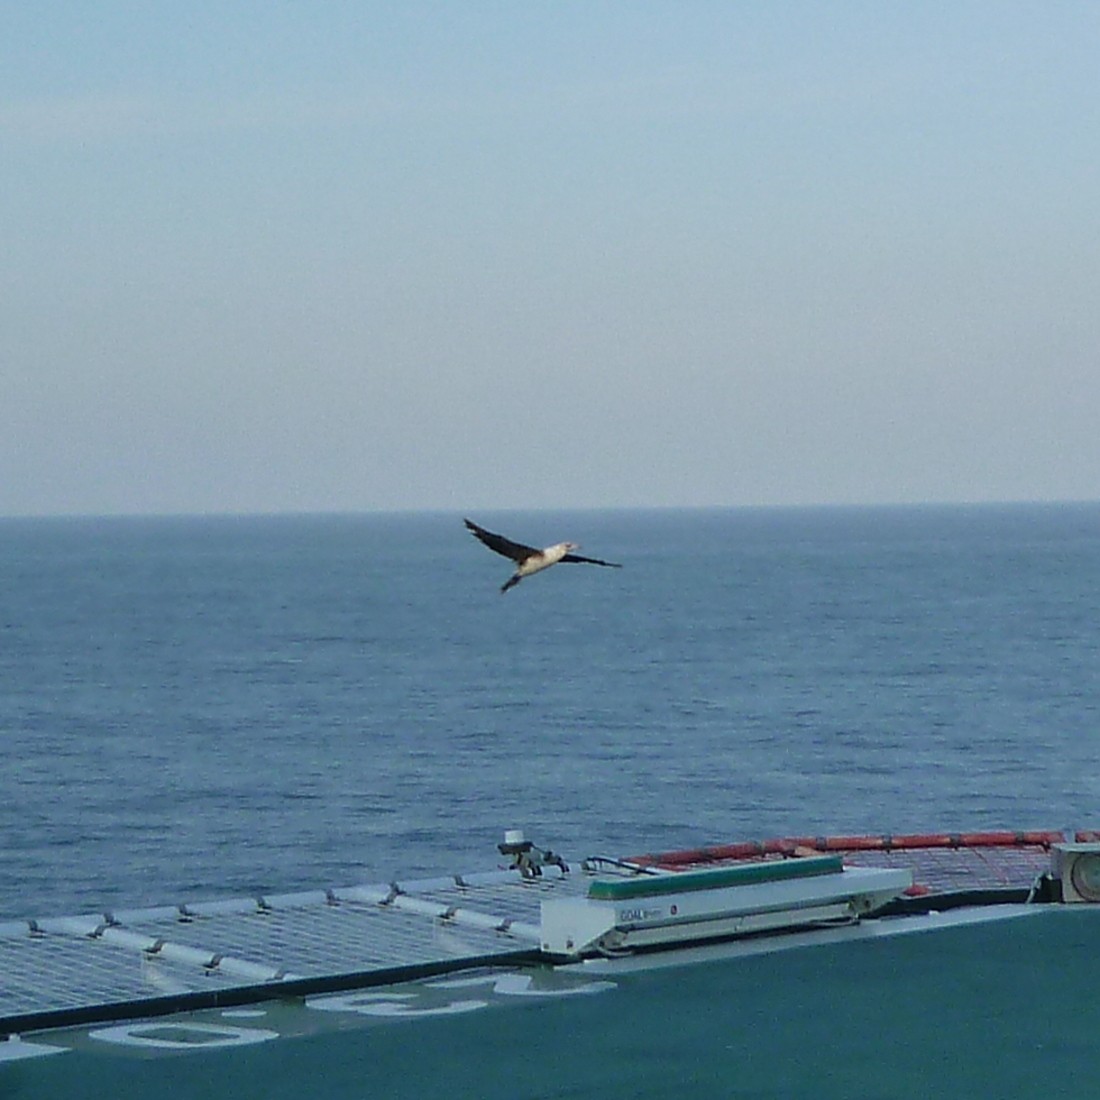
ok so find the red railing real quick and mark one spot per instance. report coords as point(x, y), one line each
point(789, 846)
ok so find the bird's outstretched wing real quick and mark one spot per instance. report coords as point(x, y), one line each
point(514, 550)
point(592, 561)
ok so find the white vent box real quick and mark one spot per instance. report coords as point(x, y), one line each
point(1077, 868)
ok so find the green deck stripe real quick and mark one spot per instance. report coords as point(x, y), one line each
point(743, 874)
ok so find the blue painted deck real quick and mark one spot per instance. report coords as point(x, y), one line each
point(1004, 1008)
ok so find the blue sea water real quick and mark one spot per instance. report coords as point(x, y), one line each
point(201, 707)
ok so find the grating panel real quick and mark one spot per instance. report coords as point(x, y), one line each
point(128, 963)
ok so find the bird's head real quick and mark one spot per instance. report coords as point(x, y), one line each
point(571, 546)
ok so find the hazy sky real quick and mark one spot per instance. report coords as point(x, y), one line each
point(326, 256)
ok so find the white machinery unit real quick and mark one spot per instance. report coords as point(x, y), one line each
point(1077, 868)
point(666, 908)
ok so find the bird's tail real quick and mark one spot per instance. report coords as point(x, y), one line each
point(510, 582)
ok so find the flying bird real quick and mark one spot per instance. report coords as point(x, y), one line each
point(530, 559)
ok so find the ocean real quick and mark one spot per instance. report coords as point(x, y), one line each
point(202, 707)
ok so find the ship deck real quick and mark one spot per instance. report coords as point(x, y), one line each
point(214, 982)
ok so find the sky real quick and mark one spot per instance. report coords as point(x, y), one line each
point(290, 257)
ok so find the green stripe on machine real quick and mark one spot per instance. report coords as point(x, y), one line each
point(743, 874)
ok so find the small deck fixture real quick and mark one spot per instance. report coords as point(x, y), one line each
point(528, 859)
